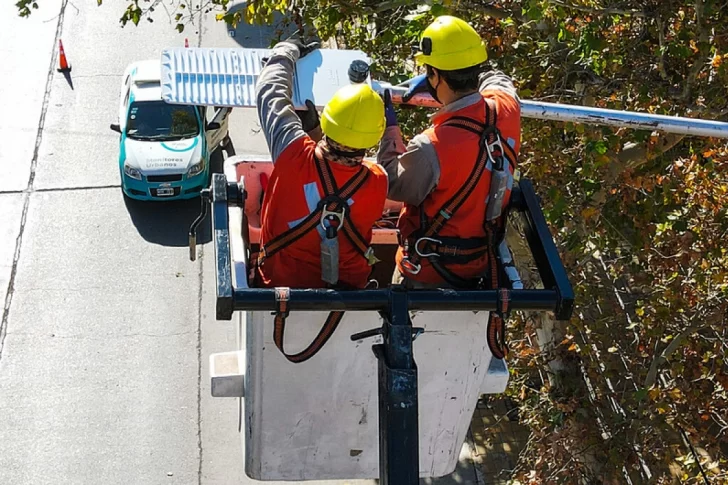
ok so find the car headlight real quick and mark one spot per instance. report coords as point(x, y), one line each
point(196, 168)
point(132, 172)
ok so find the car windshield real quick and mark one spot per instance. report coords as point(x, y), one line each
point(157, 120)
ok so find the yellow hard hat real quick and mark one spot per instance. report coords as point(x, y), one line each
point(450, 43)
point(354, 117)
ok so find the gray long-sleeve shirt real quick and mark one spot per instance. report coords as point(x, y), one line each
point(414, 170)
point(278, 119)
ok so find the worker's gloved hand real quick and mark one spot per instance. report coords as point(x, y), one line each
point(310, 117)
point(304, 49)
point(417, 84)
point(389, 114)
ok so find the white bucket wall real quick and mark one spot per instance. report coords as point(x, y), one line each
point(318, 420)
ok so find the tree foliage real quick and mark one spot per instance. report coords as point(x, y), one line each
point(640, 218)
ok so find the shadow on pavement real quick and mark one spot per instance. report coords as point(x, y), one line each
point(69, 80)
point(168, 223)
point(258, 36)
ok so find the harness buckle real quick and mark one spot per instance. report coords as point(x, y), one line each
point(409, 266)
point(496, 161)
point(283, 295)
point(428, 239)
point(504, 299)
point(327, 214)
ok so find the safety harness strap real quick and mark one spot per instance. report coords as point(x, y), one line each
point(496, 321)
point(327, 330)
point(350, 231)
point(461, 251)
point(333, 201)
point(486, 131)
point(451, 250)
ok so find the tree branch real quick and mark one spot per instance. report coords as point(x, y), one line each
point(666, 353)
point(599, 11)
point(699, 64)
point(663, 50)
point(675, 344)
point(635, 154)
point(495, 12)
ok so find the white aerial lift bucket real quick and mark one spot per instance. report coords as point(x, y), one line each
point(318, 420)
point(397, 413)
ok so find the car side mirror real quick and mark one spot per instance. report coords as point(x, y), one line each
point(213, 125)
point(115, 127)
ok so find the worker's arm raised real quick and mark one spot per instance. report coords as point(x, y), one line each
point(278, 119)
point(413, 170)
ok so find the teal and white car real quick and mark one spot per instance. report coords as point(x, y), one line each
point(164, 148)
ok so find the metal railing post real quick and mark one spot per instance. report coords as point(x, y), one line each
point(399, 449)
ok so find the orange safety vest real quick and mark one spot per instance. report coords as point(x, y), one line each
point(448, 237)
point(304, 190)
point(290, 254)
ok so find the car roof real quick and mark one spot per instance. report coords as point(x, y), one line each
point(146, 77)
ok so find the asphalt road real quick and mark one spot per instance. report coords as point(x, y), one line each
point(107, 326)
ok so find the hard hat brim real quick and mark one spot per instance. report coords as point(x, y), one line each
point(348, 137)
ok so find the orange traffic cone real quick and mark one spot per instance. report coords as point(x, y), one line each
point(63, 65)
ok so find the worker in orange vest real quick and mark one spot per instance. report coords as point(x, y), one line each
point(323, 198)
point(455, 178)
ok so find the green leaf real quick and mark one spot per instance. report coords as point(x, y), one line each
point(534, 13)
point(180, 28)
point(437, 10)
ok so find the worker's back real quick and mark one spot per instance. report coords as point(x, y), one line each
point(457, 152)
point(305, 243)
point(294, 192)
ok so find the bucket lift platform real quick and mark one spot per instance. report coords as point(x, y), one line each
point(392, 393)
point(398, 413)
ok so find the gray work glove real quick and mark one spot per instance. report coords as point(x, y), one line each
point(304, 49)
point(310, 117)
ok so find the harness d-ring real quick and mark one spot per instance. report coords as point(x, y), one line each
point(339, 216)
point(497, 164)
point(429, 239)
